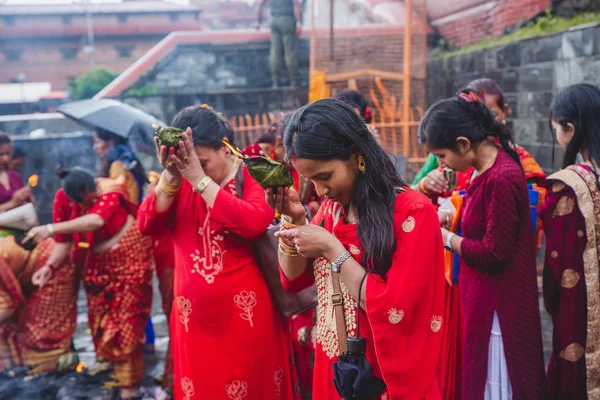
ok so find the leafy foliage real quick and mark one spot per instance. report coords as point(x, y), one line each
point(89, 84)
point(547, 24)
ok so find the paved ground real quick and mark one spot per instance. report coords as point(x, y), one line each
point(154, 362)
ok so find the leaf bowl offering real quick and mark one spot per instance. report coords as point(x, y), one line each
point(168, 136)
point(268, 173)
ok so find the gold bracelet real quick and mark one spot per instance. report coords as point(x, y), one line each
point(203, 184)
point(422, 187)
point(288, 253)
point(174, 186)
point(287, 246)
point(286, 223)
point(50, 228)
point(168, 189)
point(161, 190)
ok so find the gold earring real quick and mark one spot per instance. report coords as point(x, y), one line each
point(362, 166)
point(503, 122)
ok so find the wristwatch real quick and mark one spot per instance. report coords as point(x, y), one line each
point(203, 184)
point(448, 243)
point(336, 265)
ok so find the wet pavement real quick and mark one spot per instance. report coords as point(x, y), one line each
point(154, 361)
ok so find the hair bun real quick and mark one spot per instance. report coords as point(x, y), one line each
point(62, 172)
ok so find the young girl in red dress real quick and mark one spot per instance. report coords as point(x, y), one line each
point(498, 280)
point(375, 230)
point(228, 339)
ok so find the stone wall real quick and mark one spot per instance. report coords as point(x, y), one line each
point(214, 67)
point(45, 154)
point(528, 72)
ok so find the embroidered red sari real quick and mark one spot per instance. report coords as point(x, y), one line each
point(571, 217)
point(118, 283)
point(43, 320)
point(228, 339)
point(403, 316)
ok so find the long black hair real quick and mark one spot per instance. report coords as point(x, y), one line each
point(121, 151)
point(209, 128)
point(355, 99)
point(463, 115)
point(76, 182)
point(579, 105)
point(330, 129)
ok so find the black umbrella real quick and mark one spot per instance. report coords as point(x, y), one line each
point(118, 118)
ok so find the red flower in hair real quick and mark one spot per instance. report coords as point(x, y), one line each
point(470, 97)
point(368, 115)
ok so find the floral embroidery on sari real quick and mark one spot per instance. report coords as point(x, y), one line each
point(572, 352)
point(278, 378)
point(210, 263)
point(246, 301)
point(237, 390)
point(564, 207)
point(185, 308)
point(569, 278)
point(395, 316)
point(436, 323)
point(187, 387)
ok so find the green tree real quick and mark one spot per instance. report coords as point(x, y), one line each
point(90, 83)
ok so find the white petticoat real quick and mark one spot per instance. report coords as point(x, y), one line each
point(497, 386)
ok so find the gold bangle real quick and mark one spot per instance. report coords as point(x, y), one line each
point(50, 228)
point(422, 186)
point(161, 190)
point(287, 246)
point(203, 184)
point(286, 222)
point(166, 188)
point(174, 186)
point(288, 253)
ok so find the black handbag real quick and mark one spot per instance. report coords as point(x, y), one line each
point(354, 379)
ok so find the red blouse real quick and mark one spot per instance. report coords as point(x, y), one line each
point(112, 207)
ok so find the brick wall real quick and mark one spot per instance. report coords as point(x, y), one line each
point(487, 19)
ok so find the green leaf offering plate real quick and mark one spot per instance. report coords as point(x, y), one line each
point(168, 136)
point(268, 173)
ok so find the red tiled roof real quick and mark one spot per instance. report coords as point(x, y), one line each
point(97, 8)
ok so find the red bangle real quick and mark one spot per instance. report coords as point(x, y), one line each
point(52, 267)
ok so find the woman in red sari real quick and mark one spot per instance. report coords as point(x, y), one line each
point(375, 230)
point(571, 217)
point(228, 339)
point(498, 280)
point(116, 263)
